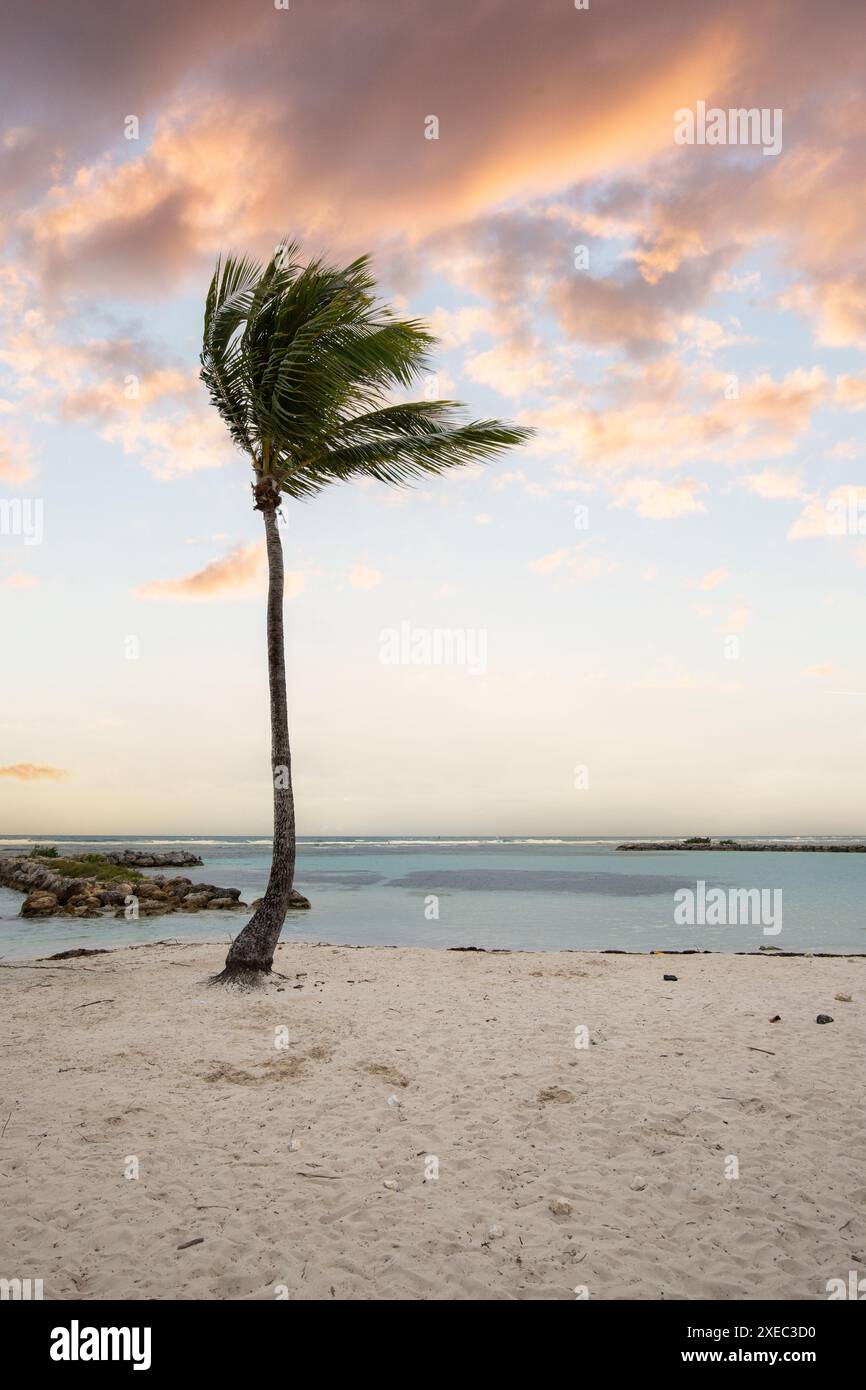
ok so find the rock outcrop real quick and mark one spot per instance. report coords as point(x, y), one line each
point(147, 859)
point(734, 846)
point(296, 901)
point(40, 904)
point(52, 893)
point(28, 875)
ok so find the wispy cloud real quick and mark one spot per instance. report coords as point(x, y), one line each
point(842, 512)
point(660, 501)
point(774, 483)
point(737, 619)
point(15, 466)
point(19, 580)
point(575, 562)
point(714, 578)
point(239, 572)
point(33, 772)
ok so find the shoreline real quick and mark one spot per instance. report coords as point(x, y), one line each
point(777, 952)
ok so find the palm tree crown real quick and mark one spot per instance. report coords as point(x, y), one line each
point(304, 364)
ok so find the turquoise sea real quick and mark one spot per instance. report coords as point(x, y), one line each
point(509, 892)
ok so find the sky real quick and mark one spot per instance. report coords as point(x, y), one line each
point(647, 620)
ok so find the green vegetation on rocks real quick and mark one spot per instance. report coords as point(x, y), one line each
point(90, 866)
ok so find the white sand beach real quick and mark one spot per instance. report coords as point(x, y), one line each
point(308, 1171)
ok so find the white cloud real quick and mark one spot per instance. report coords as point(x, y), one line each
point(841, 513)
point(576, 562)
point(660, 501)
point(774, 483)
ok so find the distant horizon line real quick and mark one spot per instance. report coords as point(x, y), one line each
point(428, 835)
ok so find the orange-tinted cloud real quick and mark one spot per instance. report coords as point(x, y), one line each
point(15, 467)
point(19, 580)
point(660, 501)
point(237, 106)
point(842, 513)
point(33, 772)
point(772, 483)
point(576, 562)
point(851, 392)
point(786, 404)
point(238, 572)
point(220, 166)
point(737, 619)
point(820, 672)
point(714, 578)
point(177, 443)
point(524, 169)
point(116, 384)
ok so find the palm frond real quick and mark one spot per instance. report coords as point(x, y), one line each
point(303, 361)
point(402, 458)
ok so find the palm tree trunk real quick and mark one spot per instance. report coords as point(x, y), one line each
point(253, 948)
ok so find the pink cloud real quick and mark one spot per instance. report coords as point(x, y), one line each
point(821, 672)
point(660, 501)
point(33, 772)
point(214, 160)
point(575, 562)
point(714, 578)
point(841, 513)
point(772, 483)
point(214, 164)
point(15, 467)
point(239, 572)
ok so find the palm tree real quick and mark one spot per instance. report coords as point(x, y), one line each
point(305, 365)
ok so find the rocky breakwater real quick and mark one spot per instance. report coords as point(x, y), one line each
point(703, 842)
point(92, 890)
point(94, 886)
point(149, 859)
